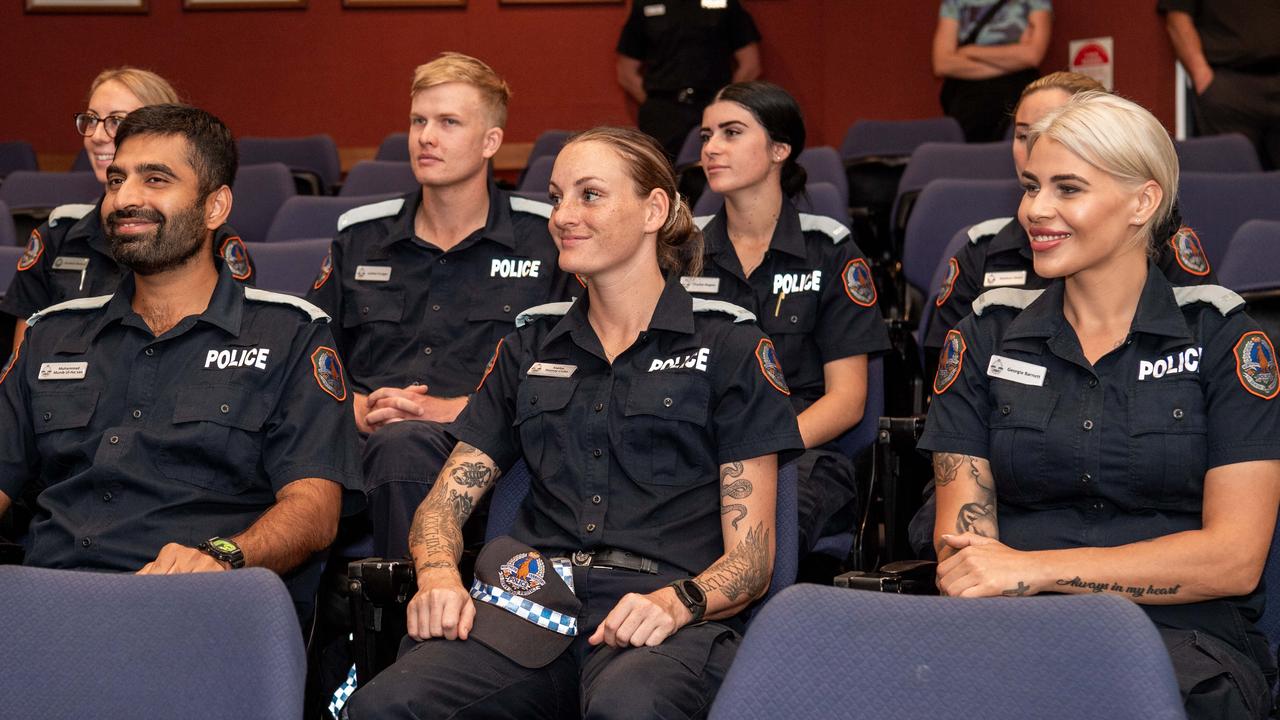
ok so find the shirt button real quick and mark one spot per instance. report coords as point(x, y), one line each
point(1093, 382)
point(364, 310)
point(149, 352)
point(666, 402)
point(106, 497)
point(599, 407)
point(48, 416)
point(1097, 505)
point(794, 319)
point(597, 452)
point(224, 408)
point(444, 261)
point(1005, 410)
point(137, 414)
point(426, 351)
point(85, 542)
point(1177, 413)
point(595, 499)
point(114, 439)
point(533, 400)
point(506, 308)
point(1087, 424)
point(1085, 478)
point(591, 527)
point(436, 308)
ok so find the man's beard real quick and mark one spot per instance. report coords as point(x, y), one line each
point(171, 244)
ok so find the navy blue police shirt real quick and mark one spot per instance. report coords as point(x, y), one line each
point(628, 455)
point(998, 255)
point(406, 312)
point(813, 294)
point(133, 441)
point(686, 43)
point(69, 257)
point(1114, 453)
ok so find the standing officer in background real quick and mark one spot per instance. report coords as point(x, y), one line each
point(675, 54)
point(1231, 50)
point(186, 423)
point(422, 287)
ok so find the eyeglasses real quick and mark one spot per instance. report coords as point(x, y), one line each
point(87, 123)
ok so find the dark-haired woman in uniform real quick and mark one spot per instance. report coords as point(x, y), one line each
point(803, 277)
point(1112, 432)
point(650, 422)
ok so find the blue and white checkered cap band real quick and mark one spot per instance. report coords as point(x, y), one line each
point(527, 609)
point(564, 569)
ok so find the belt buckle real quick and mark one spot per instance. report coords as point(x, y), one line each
point(582, 558)
point(685, 95)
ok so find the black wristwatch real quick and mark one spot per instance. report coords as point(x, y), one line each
point(692, 597)
point(223, 549)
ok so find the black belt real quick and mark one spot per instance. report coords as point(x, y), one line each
point(684, 96)
point(612, 558)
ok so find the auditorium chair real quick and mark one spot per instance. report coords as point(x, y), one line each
point(547, 144)
point(313, 159)
point(691, 180)
point(1251, 269)
point(537, 177)
point(258, 193)
point(1231, 153)
point(932, 160)
point(81, 162)
point(1215, 205)
point(17, 155)
point(289, 266)
point(312, 216)
point(8, 231)
point(394, 148)
point(823, 164)
point(114, 646)
point(379, 177)
point(31, 195)
point(818, 651)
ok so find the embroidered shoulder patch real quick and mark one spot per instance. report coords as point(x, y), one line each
point(493, 361)
point(948, 283)
point(767, 356)
point(950, 361)
point(1256, 364)
point(327, 368)
point(236, 256)
point(1188, 252)
point(326, 269)
point(858, 283)
point(523, 574)
point(30, 256)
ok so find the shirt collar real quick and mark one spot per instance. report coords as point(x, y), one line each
point(674, 313)
point(1011, 238)
point(90, 229)
point(788, 237)
point(497, 226)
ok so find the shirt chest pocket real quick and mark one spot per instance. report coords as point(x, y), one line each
point(664, 434)
point(1019, 436)
point(1168, 442)
point(215, 440)
point(368, 306)
point(789, 314)
point(502, 307)
point(542, 421)
point(61, 423)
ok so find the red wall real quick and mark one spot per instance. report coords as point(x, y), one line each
point(347, 72)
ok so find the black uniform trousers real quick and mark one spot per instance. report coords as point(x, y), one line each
point(401, 462)
point(464, 679)
point(984, 108)
point(668, 120)
point(826, 495)
point(1243, 103)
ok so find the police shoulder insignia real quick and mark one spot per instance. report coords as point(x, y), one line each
point(948, 283)
point(1187, 250)
point(767, 356)
point(1256, 364)
point(237, 257)
point(950, 361)
point(858, 283)
point(492, 362)
point(327, 368)
point(30, 256)
point(523, 574)
point(326, 269)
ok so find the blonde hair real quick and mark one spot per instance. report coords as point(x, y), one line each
point(1120, 138)
point(1069, 82)
point(679, 239)
point(148, 87)
point(456, 67)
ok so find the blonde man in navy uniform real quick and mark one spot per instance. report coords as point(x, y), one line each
point(186, 423)
point(421, 287)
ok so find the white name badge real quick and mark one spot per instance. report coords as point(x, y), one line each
point(373, 273)
point(1007, 278)
point(1015, 371)
point(655, 10)
point(715, 4)
point(66, 262)
point(700, 284)
point(541, 369)
point(63, 371)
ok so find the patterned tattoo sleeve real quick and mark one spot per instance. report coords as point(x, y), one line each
point(435, 537)
point(744, 572)
point(733, 485)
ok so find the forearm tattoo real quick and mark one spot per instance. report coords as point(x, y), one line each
point(1133, 591)
point(472, 474)
point(744, 572)
point(733, 485)
point(435, 537)
point(945, 467)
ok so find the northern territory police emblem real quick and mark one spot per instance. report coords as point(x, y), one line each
point(237, 257)
point(858, 283)
point(767, 356)
point(328, 371)
point(489, 368)
point(1256, 364)
point(326, 269)
point(1188, 252)
point(950, 360)
point(523, 574)
point(948, 283)
point(30, 256)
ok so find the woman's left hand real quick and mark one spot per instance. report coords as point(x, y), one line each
point(984, 567)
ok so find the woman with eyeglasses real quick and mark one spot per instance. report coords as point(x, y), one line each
point(68, 257)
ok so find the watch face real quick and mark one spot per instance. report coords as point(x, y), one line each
point(695, 592)
point(224, 546)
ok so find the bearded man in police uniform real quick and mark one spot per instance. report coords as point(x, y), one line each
point(186, 423)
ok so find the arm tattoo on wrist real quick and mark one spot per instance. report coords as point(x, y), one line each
point(744, 572)
point(733, 485)
point(1133, 591)
point(1020, 591)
